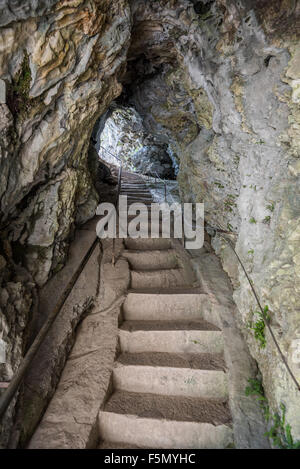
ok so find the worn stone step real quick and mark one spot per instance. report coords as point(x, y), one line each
point(147, 202)
point(170, 381)
point(184, 409)
point(137, 197)
point(134, 186)
point(162, 278)
point(163, 433)
point(134, 214)
point(164, 306)
point(170, 325)
point(132, 217)
point(197, 361)
point(147, 232)
point(135, 190)
point(139, 200)
point(123, 212)
point(128, 227)
point(136, 194)
point(153, 339)
point(147, 243)
point(157, 259)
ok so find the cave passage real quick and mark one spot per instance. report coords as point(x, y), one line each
point(120, 135)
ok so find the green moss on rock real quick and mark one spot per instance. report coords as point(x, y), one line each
point(18, 90)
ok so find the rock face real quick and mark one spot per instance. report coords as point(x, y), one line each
point(216, 86)
point(61, 64)
point(221, 82)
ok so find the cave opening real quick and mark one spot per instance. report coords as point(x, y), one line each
point(120, 136)
point(202, 94)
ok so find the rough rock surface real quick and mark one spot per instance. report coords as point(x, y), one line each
point(221, 83)
point(61, 64)
point(70, 420)
point(44, 374)
point(124, 135)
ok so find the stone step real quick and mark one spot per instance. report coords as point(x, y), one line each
point(162, 278)
point(167, 380)
point(139, 200)
point(126, 175)
point(127, 183)
point(149, 339)
point(135, 189)
point(163, 433)
point(184, 409)
point(134, 186)
point(171, 325)
point(134, 214)
point(148, 205)
point(136, 193)
point(195, 361)
point(164, 306)
point(138, 197)
point(132, 217)
point(157, 259)
point(148, 243)
point(147, 233)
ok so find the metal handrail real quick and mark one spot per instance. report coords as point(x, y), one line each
point(13, 387)
point(165, 185)
point(264, 316)
point(112, 154)
point(113, 260)
point(117, 211)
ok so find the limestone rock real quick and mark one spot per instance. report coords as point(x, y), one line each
point(125, 136)
point(61, 62)
point(226, 96)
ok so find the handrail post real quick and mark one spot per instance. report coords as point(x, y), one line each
point(182, 221)
point(113, 260)
point(13, 387)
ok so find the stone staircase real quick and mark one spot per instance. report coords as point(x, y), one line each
point(169, 380)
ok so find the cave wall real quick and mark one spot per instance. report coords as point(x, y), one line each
point(60, 63)
point(224, 89)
